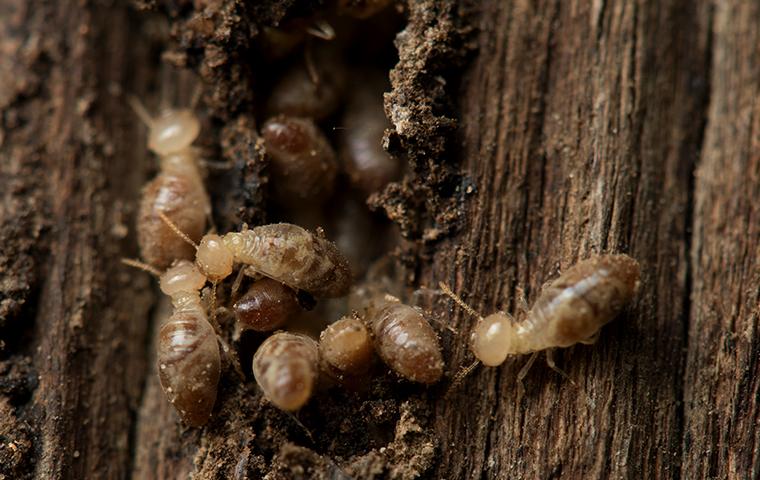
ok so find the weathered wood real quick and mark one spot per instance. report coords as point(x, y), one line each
point(722, 383)
point(575, 128)
point(581, 124)
point(71, 142)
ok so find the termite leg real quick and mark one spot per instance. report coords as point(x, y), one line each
point(592, 339)
point(236, 283)
point(553, 366)
point(522, 374)
point(522, 303)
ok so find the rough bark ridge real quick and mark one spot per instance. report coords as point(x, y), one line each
point(577, 127)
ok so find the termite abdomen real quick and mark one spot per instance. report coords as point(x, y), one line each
point(588, 295)
point(267, 305)
point(183, 199)
point(302, 162)
point(571, 309)
point(345, 349)
point(189, 366)
point(368, 165)
point(294, 256)
point(286, 369)
point(405, 341)
point(298, 94)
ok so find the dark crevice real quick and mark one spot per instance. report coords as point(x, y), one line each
point(705, 93)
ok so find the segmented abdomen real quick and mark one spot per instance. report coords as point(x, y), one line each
point(189, 365)
point(182, 198)
point(291, 255)
point(577, 304)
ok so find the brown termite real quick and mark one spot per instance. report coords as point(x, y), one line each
point(368, 165)
point(405, 340)
point(345, 349)
point(571, 309)
point(302, 162)
point(177, 191)
point(266, 306)
point(188, 356)
point(279, 42)
point(281, 251)
point(312, 90)
point(286, 367)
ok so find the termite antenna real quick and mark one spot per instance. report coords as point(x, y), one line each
point(176, 229)
point(459, 301)
point(461, 375)
point(298, 422)
point(141, 266)
point(140, 110)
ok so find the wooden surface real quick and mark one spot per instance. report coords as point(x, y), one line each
point(583, 127)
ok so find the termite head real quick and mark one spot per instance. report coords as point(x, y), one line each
point(213, 258)
point(182, 276)
point(492, 339)
point(173, 131)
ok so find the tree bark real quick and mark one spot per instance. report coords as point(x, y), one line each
point(537, 134)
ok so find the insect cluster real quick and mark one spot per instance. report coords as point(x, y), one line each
point(267, 277)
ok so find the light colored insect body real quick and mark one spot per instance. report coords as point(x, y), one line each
point(293, 256)
point(405, 340)
point(189, 362)
point(177, 191)
point(286, 366)
point(571, 309)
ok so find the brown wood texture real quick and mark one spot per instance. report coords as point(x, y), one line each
point(582, 127)
point(588, 146)
point(722, 384)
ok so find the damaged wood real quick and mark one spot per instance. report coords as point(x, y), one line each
point(536, 134)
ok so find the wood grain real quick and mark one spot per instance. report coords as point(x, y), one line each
point(577, 127)
point(581, 123)
point(722, 383)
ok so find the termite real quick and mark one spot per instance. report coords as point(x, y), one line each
point(177, 191)
point(281, 251)
point(345, 349)
point(302, 162)
point(286, 367)
point(368, 165)
point(189, 362)
point(405, 340)
point(312, 90)
point(571, 309)
point(266, 306)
